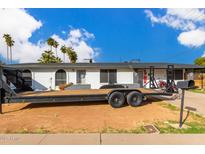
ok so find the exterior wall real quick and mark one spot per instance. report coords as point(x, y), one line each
point(93, 78)
point(125, 76)
point(71, 75)
point(45, 79)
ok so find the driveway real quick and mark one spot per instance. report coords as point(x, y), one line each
point(192, 99)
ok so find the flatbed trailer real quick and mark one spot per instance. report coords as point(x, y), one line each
point(115, 97)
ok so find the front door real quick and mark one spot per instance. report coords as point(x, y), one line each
point(81, 76)
point(138, 77)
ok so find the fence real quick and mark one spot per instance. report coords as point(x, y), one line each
point(199, 79)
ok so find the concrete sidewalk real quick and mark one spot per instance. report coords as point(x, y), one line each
point(105, 139)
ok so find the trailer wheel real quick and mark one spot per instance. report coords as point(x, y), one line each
point(116, 99)
point(134, 98)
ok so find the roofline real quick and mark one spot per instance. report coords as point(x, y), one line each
point(157, 65)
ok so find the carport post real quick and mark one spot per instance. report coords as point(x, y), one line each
point(181, 109)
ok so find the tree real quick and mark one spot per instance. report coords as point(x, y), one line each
point(11, 44)
point(63, 50)
point(55, 45)
point(6, 38)
point(72, 55)
point(48, 57)
point(58, 60)
point(50, 42)
point(200, 61)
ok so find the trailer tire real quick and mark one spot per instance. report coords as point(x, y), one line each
point(116, 99)
point(134, 98)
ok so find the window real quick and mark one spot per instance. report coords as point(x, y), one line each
point(81, 76)
point(27, 76)
point(178, 74)
point(60, 77)
point(108, 76)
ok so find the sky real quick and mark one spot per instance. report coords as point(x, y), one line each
point(107, 35)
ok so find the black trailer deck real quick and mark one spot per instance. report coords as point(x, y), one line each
point(84, 95)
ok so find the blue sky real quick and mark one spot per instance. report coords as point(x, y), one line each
point(120, 34)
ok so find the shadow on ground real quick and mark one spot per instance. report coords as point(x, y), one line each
point(50, 105)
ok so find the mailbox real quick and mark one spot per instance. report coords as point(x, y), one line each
point(187, 84)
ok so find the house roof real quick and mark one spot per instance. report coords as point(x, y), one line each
point(100, 65)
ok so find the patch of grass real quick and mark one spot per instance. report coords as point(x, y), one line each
point(83, 130)
point(195, 125)
point(193, 128)
point(169, 106)
point(137, 130)
point(23, 131)
point(41, 130)
point(113, 130)
point(71, 130)
point(202, 91)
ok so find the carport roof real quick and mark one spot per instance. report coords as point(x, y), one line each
point(100, 65)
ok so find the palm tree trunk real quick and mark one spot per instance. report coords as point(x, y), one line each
point(56, 53)
point(11, 54)
point(64, 57)
point(7, 50)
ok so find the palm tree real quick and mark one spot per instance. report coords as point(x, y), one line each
point(63, 50)
point(50, 42)
point(72, 55)
point(58, 60)
point(48, 57)
point(11, 44)
point(55, 45)
point(6, 38)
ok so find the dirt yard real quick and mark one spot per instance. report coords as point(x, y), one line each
point(78, 117)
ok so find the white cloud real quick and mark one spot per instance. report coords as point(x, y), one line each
point(75, 33)
point(63, 32)
point(77, 39)
point(88, 35)
point(170, 20)
point(188, 14)
point(194, 38)
point(203, 54)
point(189, 21)
point(20, 25)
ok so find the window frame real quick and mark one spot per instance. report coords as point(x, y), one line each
point(59, 81)
point(108, 76)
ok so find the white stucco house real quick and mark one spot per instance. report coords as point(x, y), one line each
point(95, 75)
